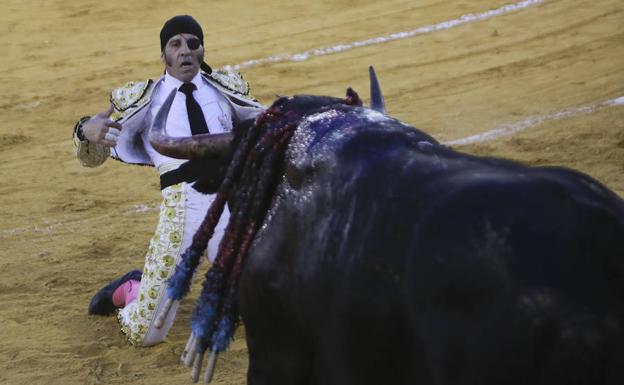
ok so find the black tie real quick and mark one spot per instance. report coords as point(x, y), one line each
point(195, 114)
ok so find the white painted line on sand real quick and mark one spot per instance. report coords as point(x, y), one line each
point(464, 19)
point(515, 127)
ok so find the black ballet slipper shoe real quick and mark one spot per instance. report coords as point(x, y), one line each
point(102, 301)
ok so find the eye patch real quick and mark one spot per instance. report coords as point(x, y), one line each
point(193, 43)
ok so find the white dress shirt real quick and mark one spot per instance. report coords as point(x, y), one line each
point(216, 110)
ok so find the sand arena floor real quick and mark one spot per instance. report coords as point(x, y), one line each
point(550, 72)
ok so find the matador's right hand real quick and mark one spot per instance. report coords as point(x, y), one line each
point(101, 129)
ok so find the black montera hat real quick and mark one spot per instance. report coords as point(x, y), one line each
point(177, 25)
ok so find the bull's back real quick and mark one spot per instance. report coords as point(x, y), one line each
point(390, 260)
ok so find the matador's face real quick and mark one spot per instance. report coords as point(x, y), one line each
point(183, 56)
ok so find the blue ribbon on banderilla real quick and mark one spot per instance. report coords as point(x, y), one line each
point(254, 171)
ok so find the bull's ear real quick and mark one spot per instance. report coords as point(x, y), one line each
point(353, 99)
point(377, 99)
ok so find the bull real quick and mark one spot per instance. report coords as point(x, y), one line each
point(362, 251)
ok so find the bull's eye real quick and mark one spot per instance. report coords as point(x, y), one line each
point(281, 102)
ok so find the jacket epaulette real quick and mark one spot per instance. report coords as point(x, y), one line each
point(230, 80)
point(130, 97)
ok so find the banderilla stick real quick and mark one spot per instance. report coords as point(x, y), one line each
point(192, 352)
point(212, 362)
point(189, 344)
point(197, 365)
point(162, 316)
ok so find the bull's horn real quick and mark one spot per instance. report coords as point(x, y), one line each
point(377, 100)
point(197, 146)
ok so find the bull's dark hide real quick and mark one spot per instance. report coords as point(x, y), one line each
point(390, 259)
